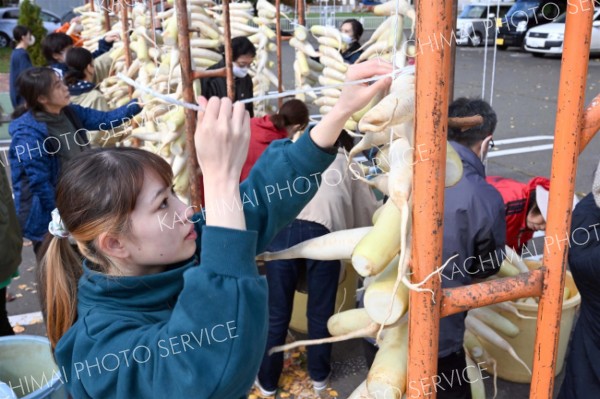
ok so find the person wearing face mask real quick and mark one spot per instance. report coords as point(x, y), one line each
point(474, 229)
point(19, 60)
point(291, 118)
point(243, 53)
point(351, 30)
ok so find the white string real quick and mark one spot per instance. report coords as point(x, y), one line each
point(495, 51)
point(483, 81)
point(397, 72)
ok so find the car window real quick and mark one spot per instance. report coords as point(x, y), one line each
point(11, 14)
point(471, 12)
point(48, 18)
point(503, 11)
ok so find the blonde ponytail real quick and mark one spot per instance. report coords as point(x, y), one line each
point(59, 274)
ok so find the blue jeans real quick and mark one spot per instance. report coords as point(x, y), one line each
point(322, 282)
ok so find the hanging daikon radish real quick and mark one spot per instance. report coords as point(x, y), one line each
point(496, 321)
point(515, 259)
point(348, 321)
point(397, 6)
point(383, 305)
point(475, 379)
point(395, 108)
point(509, 307)
point(480, 329)
point(376, 249)
point(333, 246)
point(387, 376)
point(369, 331)
point(507, 269)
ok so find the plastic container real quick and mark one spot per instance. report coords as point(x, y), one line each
point(348, 283)
point(508, 368)
point(27, 366)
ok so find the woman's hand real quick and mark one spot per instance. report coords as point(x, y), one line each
point(355, 97)
point(352, 99)
point(221, 138)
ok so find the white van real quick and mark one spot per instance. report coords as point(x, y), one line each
point(474, 21)
point(548, 38)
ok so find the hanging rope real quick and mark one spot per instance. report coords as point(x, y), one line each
point(483, 81)
point(495, 52)
point(396, 72)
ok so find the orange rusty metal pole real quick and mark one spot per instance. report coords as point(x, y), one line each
point(125, 34)
point(228, 55)
point(431, 116)
point(461, 299)
point(185, 61)
point(569, 123)
point(92, 6)
point(300, 11)
point(278, 33)
point(591, 123)
point(106, 17)
point(153, 22)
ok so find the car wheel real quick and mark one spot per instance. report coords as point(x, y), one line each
point(475, 41)
point(4, 40)
point(538, 55)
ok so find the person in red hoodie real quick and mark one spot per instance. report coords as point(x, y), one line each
point(291, 118)
point(526, 208)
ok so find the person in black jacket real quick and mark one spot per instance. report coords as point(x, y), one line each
point(351, 30)
point(243, 53)
point(582, 375)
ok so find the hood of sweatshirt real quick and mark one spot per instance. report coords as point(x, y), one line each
point(265, 132)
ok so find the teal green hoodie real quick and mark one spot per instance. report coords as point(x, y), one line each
point(199, 329)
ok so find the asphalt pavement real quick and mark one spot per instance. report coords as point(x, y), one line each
point(524, 96)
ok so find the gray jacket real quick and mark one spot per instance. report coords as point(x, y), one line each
point(10, 231)
point(475, 229)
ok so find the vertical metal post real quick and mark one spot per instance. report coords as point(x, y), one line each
point(569, 123)
point(301, 12)
point(431, 119)
point(278, 40)
point(228, 55)
point(125, 34)
point(188, 97)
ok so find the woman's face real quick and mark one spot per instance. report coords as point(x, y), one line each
point(347, 29)
point(59, 97)
point(161, 229)
point(535, 220)
point(244, 61)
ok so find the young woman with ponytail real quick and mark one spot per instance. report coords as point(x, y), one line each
point(168, 303)
point(291, 118)
point(46, 133)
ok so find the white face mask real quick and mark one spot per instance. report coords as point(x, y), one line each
point(346, 38)
point(485, 146)
point(32, 40)
point(239, 72)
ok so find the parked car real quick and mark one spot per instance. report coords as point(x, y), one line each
point(548, 39)
point(474, 21)
point(524, 15)
point(8, 21)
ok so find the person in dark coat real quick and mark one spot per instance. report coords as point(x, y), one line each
point(291, 118)
point(47, 132)
point(582, 375)
point(475, 230)
point(12, 243)
point(19, 60)
point(351, 30)
point(243, 53)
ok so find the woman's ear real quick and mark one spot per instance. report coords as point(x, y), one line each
point(113, 246)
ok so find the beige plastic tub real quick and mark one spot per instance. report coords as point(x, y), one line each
point(508, 368)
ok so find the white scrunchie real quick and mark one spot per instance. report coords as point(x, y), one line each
point(56, 227)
